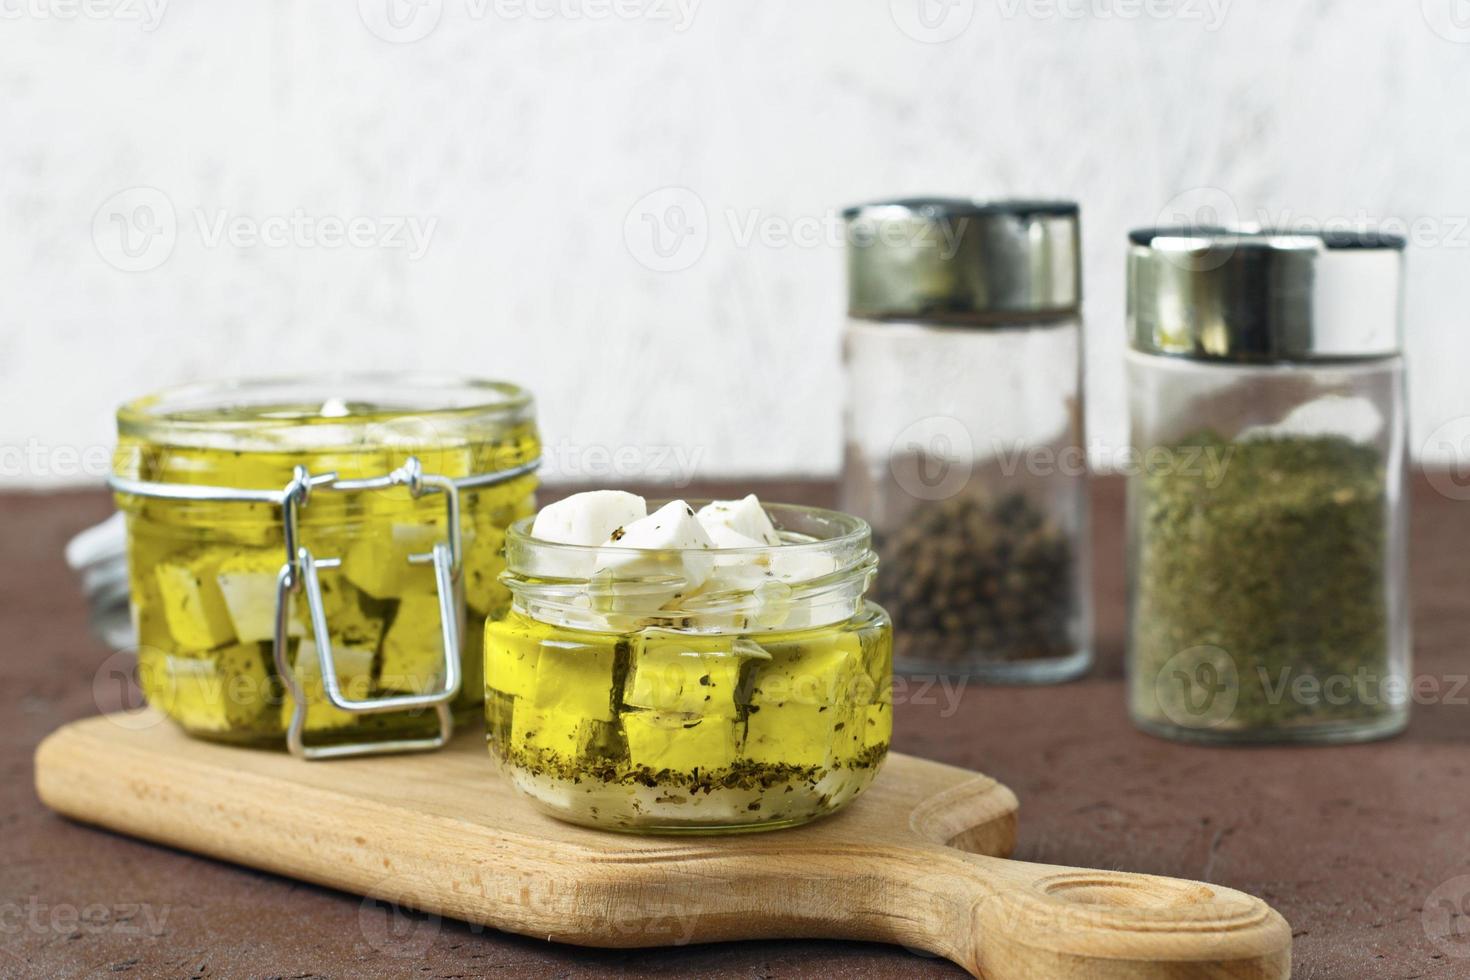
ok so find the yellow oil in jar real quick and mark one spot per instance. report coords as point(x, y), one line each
point(203, 575)
point(674, 731)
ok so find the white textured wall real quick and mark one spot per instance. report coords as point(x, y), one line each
point(523, 139)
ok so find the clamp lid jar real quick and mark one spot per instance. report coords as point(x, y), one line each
point(311, 560)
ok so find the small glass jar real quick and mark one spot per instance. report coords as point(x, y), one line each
point(1266, 506)
point(305, 555)
point(964, 432)
point(625, 699)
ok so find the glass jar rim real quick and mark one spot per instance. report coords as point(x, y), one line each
point(821, 571)
point(442, 403)
point(850, 532)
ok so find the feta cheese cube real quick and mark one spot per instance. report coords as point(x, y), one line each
point(354, 672)
point(680, 742)
point(575, 678)
point(197, 616)
point(483, 561)
point(229, 689)
point(744, 517)
point(795, 733)
point(247, 583)
point(377, 560)
point(669, 543)
point(679, 672)
point(512, 652)
point(588, 518)
point(413, 649)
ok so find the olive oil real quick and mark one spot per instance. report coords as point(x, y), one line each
point(203, 573)
point(670, 730)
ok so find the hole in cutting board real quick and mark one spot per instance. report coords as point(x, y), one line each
point(1126, 894)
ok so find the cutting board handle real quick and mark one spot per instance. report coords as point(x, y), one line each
point(1009, 920)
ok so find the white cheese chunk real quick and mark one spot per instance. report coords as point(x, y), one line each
point(745, 517)
point(670, 542)
point(588, 518)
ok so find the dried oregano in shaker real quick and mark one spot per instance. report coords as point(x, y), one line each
point(1266, 509)
point(964, 432)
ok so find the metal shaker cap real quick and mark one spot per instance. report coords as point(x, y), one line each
point(959, 261)
point(1262, 296)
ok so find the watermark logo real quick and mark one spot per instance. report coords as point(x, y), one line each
point(1210, 14)
point(117, 691)
point(1198, 687)
point(1199, 207)
point(400, 21)
point(667, 230)
point(397, 930)
point(1446, 917)
point(147, 14)
point(591, 463)
point(1450, 19)
point(406, 21)
point(1446, 455)
point(135, 230)
point(932, 21)
point(933, 458)
point(137, 919)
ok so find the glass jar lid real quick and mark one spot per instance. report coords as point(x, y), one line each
point(1263, 296)
point(963, 262)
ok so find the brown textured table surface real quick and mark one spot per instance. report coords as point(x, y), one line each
point(1352, 844)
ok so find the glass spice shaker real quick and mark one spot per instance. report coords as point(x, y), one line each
point(964, 432)
point(1266, 506)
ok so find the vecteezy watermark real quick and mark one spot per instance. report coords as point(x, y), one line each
point(1198, 687)
point(668, 230)
point(136, 229)
point(394, 929)
point(391, 924)
point(578, 462)
point(1450, 19)
point(406, 21)
point(932, 21)
point(38, 460)
point(1446, 456)
point(1207, 206)
point(400, 21)
point(1210, 14)
point(934, 458)
point(1446, 917)
point(147, 14)
point(96, 918)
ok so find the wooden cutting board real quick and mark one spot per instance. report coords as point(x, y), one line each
point(916, 860)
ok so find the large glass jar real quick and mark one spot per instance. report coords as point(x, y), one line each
point(1266, 506)
point(964, 432)
point(334, 502)
point(625, 702)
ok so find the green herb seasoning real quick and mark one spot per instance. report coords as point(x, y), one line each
point(1260, 599)
point(976, 579)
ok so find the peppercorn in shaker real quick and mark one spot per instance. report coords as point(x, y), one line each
point(1266, 512)
point(964, 432)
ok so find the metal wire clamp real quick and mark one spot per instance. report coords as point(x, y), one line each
point(299, 574)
